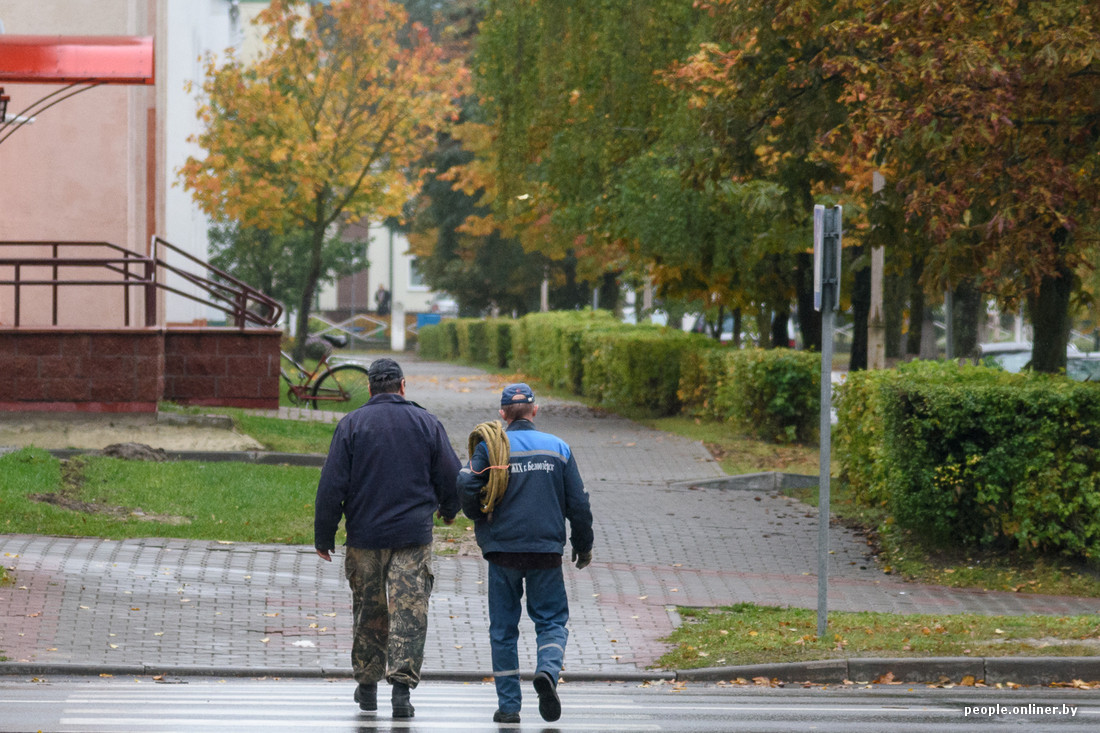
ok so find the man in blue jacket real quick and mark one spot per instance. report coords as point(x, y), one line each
point(389, 469)
point(523, 538)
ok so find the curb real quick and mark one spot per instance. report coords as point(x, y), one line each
point(990, 670)
point(266, 458)
point(765, 481)
point(21, 669)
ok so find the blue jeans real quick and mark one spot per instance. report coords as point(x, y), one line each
point(547, 607)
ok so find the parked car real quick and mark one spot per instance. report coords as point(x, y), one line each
point(1084, 367)
point(444, 305)
point(1015, 356)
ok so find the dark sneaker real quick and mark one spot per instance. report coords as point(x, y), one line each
point(402, 705)
point(502, 717)
point(549, 704)
point(367, 696)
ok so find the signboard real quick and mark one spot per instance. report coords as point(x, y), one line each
point(827, 233)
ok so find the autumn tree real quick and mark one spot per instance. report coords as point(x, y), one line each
point(569, 92)
point(324, 127)
point(990, 113)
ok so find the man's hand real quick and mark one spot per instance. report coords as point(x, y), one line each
point(324, 555)
point(582, 559)
point(446, 520)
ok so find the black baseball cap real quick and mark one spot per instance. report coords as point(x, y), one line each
point(384, 370)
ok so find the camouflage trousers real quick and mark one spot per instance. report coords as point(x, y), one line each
point(389, 603)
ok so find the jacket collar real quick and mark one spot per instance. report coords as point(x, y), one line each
point(386, 397)
point(521, 425)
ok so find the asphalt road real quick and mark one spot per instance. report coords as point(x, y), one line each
point(211, 705)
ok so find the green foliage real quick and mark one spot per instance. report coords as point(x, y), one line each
point(551, 345)
point(430, 343)
point(472, 335)
point(979, 457)
point(500, 338)
point(637, 367)
point(774, 394)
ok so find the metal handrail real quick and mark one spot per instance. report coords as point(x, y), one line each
point(225, 293)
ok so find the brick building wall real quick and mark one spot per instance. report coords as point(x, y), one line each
point(65, 370)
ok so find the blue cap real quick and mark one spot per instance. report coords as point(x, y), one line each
point(516, 394)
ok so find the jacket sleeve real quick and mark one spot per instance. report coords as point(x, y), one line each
point(471, 483)
point(332, 491)
point(577, 508)
point(444, 474)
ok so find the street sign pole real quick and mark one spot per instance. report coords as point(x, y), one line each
point(827, 233)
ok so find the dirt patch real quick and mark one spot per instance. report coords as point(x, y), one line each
point(95, 432)
point(68, 497)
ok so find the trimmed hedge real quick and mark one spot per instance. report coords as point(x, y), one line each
point(636, 367)
point(774, 394)
point(974, 456)
point(499, 337)
point(550, 345)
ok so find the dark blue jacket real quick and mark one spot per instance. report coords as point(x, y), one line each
point(389, 468)
point(544, 490)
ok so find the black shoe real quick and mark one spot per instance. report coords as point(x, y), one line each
point(402, 705)
point(367, 696)
point(502, 717)
point(549, 704)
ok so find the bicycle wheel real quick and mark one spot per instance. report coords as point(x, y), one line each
point(342, 388)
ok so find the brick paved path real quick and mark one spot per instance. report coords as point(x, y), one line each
point(659, 543)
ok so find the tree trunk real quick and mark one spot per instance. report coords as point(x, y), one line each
point(861, 310)
point(809, 320)
point(916, 308)
point(1050, 315)
point(780, 319)
point(895, 290)
point(737, 328)
point(929, 348)
point(965, 317)
point(305, 305)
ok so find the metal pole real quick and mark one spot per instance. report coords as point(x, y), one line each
point(828, 323)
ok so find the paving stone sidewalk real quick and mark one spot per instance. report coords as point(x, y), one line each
point(664, 537)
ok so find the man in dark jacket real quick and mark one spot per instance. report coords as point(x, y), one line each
point(389, 469)
point(523, 538)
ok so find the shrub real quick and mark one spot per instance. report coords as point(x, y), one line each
point(499, 341)
point(973, 456)
point(774, 394)
point(430, 342)
point(472, 337)
point(635, 367)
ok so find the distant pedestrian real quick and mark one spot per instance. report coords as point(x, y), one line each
point(382, 299)
point(389, 469)
point(522, 534)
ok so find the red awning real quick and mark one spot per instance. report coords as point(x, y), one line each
point(76, 59)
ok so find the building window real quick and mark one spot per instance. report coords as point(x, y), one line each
point(416, 277)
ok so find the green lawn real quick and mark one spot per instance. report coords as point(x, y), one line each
point(750, 634)
point(96, 496)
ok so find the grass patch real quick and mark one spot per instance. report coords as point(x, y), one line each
point(750, 634)
point(97, 496)
point(737, 453)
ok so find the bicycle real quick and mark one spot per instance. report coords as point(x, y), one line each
point(335, 380)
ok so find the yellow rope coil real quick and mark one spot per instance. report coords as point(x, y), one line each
point(496, 442)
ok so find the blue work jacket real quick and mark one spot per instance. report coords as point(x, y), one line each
point(544, 490)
